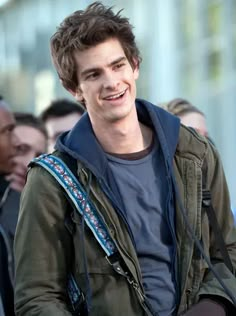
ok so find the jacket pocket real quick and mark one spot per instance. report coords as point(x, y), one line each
point(88, 253)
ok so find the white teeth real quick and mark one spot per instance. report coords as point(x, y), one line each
point(115, 96)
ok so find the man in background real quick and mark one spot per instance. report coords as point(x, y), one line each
point(28, 141)
point(60, 116)
point(8, 150)
point(32, 137)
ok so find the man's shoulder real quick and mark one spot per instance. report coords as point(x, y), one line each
point(42, 168)
point(191, 144)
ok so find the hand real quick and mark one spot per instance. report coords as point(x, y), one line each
point(206, 307)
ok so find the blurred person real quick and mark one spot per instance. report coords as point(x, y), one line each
point(60, 116)
point(189, 115)
point(31, 142)
point(8, 151)
point(32, 137)
point(113, 233)
point(8, 140)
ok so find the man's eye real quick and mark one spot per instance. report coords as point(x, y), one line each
point(22, 149)
point(120, 65)
point(93, 75)
point(9, 129)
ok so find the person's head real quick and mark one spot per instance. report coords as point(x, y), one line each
point(32, 136)
point(85, 44)
point(60, 116)
point(189, 115)
point(8, 139)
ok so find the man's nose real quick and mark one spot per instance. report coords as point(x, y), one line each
point(15, 140)
point(111, 81)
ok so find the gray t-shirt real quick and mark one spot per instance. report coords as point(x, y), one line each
point(144, 190)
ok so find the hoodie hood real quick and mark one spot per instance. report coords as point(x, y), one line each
point(81, 142)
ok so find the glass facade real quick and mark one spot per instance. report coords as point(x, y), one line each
point(188, 50)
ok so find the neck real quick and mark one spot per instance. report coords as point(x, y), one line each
point(123, 137)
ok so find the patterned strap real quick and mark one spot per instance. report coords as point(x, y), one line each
point(59, 170)
point(75, 294)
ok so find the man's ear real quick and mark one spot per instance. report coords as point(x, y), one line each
point(76, 94)
point(136, 68)
point(79, 97)
point(135, 64)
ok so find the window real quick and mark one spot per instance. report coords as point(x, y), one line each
point(214, 62)
point(214, 19)
point(189, 74)
point(188, 21)
point(234, 49)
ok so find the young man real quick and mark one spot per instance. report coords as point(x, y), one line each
point(122, 232)
point(60, 116)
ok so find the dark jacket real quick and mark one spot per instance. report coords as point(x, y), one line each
point(9, 207)
point(42, 267)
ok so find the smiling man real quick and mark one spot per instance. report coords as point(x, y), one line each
point(119, 204)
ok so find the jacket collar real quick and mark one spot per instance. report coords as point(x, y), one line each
point(81, 142)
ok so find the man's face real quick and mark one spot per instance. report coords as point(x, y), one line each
point(8, 141)
point(57, 125)
point(32, 143)
point(106, 82)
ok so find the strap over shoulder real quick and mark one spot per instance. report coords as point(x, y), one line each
point(213, 222)
point(65, 177)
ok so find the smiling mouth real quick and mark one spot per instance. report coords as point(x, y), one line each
point(116, 96)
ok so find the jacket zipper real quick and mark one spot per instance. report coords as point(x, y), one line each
point(188, 294)
point(141, 297)
point(174, 266)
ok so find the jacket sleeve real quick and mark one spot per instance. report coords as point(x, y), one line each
point(43, 248)
point(221, 203)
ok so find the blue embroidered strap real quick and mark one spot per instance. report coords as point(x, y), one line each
point(59, 170)
point(75, 294)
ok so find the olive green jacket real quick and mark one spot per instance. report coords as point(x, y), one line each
point(45, 252)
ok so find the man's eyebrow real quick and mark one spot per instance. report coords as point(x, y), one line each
point(94, 69)
point(10, 126)
point(117, 61)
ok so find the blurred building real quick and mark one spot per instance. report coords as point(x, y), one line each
point(188, 49)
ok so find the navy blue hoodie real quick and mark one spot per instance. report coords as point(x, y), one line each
point(81, 142)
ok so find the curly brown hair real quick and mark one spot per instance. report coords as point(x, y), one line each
point(84, 29)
